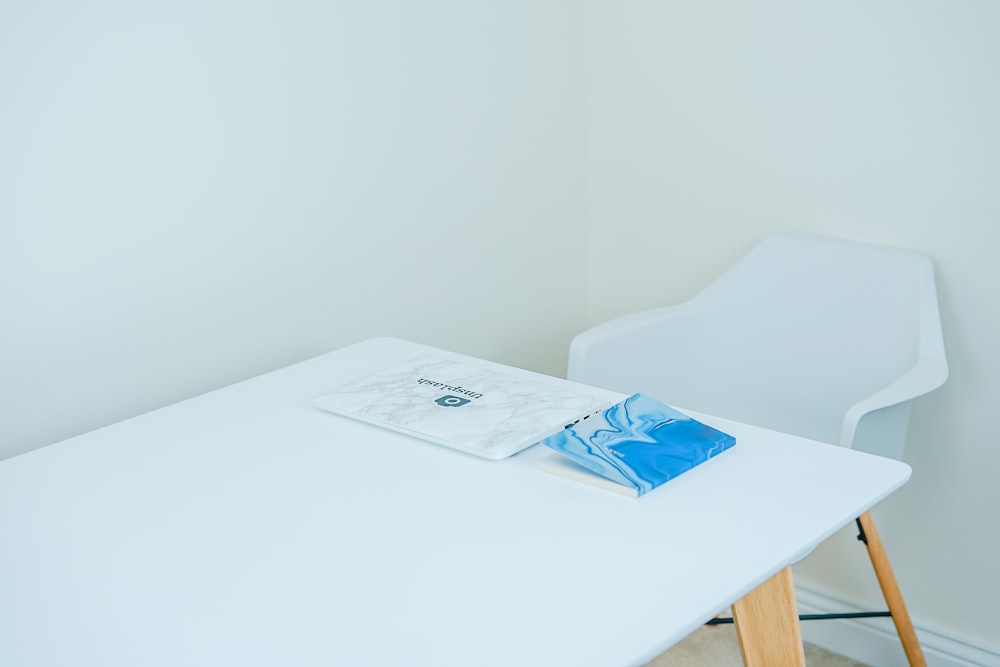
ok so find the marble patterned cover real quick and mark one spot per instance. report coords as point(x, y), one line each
point(639, 443)
point(479, 410)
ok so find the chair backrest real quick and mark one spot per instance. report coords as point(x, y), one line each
point(823, 338)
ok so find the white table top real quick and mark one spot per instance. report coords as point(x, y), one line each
point(246, 527)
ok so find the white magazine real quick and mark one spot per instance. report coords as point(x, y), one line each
point(481, 410)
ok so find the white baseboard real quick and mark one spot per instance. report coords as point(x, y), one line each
point(873, 641)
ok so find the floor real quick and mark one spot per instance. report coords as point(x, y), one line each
point(717, 646)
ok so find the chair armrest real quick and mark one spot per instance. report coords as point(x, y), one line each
point(586, 346)
point(927, 375)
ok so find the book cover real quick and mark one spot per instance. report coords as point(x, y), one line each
point(484, 410)
point(637, 445)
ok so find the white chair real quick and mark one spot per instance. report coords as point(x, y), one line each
point(823, 338)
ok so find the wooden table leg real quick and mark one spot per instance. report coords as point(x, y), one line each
point(767, 624)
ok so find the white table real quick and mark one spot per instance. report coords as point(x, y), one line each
point(245, 527)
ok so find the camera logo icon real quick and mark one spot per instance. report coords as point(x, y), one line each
point(451, 401)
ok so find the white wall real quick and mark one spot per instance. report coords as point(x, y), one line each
point(713, 123)
point(193, 192)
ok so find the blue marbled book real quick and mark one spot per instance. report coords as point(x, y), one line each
point(637, 444)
